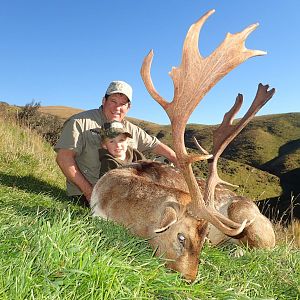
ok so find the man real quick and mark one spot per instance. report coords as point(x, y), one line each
point(77, 148)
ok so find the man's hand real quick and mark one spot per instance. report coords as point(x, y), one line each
point(66, 160)
point(166, 151)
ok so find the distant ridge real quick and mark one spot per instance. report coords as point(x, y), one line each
point(65, 112)
point(62, 112)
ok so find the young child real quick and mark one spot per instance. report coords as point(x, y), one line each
point(115, 151)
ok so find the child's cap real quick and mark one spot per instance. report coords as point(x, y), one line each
point(113, 129)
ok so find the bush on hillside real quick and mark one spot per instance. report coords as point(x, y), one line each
point(29, 111)
point(48, 126)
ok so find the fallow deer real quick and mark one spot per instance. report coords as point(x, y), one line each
point(169, 206)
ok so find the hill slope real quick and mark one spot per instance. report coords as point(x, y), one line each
point(270, 143)
point(62, 112)
point(263, 160)
point(256, 154)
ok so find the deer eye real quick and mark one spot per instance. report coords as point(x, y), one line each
point(181, 238)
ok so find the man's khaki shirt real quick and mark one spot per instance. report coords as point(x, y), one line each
point(76, 136)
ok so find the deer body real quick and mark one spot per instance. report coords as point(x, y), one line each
point(151, 200)
point(259, 234)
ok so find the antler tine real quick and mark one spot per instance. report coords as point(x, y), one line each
point(197, 157)
point(199, 147)
point(226, 132)
point(146, 76)
point(192, 80)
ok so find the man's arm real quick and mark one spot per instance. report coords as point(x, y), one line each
point(166, 151)
point(66, 160)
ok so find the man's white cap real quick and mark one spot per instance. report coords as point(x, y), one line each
point(120, 87)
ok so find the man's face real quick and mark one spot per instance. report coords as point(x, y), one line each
point(115, 107)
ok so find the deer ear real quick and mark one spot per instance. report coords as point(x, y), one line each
point(169, 217)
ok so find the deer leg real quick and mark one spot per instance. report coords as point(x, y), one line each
point(260, 233)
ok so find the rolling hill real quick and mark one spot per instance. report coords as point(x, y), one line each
point(62, 112)
point(264, 159)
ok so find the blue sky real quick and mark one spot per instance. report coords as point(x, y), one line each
point(67, 52)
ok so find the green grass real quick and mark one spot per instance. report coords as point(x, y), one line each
point(266, 138)
point(53, 249)
point(252, 183)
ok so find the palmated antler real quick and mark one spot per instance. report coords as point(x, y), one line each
point(226, 132)
point(192, 80)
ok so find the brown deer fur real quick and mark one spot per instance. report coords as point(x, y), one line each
point(151, 199)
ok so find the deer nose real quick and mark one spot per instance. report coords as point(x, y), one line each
point(190, 277)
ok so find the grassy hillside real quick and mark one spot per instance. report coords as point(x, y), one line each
point(264, 143)
point(267, 137)
point(53, 249)
point(263, 160)
point(252, 182)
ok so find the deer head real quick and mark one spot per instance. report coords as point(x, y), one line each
point(192, 80)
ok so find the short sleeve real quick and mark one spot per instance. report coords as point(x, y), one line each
point(141, 140)
point(71, 136)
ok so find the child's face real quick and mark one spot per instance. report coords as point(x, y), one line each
point(116, 146)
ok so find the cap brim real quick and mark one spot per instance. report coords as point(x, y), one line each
point(114, 134)
point(118, 92)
